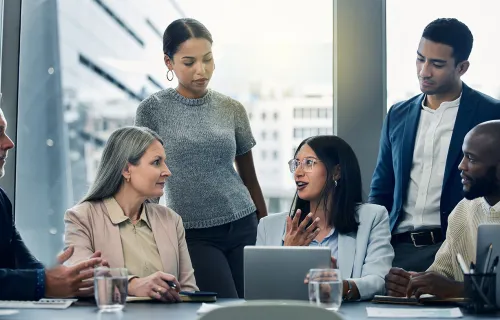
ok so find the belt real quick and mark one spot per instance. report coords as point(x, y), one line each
point(420, 238)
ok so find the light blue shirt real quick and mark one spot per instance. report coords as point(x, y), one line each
point(331, 240)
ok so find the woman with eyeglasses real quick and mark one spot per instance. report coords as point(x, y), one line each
point(328, 211)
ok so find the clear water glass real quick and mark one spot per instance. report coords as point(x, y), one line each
point(325, 288)
point(110, 288)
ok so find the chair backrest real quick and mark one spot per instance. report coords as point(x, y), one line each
point(271, 310)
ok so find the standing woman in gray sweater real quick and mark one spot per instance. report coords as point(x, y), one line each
point(205, 133)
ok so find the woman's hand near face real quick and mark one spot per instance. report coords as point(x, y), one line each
point(299, 234)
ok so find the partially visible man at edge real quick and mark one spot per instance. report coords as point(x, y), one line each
point(22, 276)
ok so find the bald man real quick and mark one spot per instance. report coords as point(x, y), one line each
point(480, 172)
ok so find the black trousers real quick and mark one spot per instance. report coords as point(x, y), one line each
point(217, 255)
point(411, 258)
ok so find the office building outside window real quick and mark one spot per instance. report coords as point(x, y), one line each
point(86, 65)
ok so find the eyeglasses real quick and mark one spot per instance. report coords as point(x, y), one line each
point(306, 163)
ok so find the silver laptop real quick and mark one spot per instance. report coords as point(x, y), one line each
point(488, 234)
point(279, 272)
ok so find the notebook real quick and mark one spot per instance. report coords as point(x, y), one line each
point(40, 304)
point(386, 313)
point(425, 299)
point(186, 296)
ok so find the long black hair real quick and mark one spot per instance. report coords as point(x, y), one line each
point(347, 195)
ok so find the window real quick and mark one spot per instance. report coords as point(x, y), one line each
point(298, 113)
point(314, 113)
point(108, 77)
point(83, 58)
point(329, 113)
point(323, 113)
point(263, 135)
point(297, 132)
point(120, 22)
point(1, 36)
point(91, 62)
point(274, 205)
point(156, 83)
point(154, 28)
point(404, 29)
point(306, 113)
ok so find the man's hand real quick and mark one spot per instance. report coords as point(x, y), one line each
point(297, 234)
point(65, 282)
point(396, 282)
point(435, 284)
point(98, 254)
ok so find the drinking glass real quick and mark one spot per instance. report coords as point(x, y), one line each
point(110, 288)
point(325, 288)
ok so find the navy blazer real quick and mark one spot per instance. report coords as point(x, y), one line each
point(389, 186)
point(18, 276)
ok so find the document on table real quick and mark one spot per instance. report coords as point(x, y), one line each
point(40, 304)
point(413, 312)
point(207, 307)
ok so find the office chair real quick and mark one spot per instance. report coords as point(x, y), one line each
point(271, 310)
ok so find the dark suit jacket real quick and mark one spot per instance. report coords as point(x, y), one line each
point(18, 276)
point(390, 181)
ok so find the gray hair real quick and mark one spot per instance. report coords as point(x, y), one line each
point(125, 145)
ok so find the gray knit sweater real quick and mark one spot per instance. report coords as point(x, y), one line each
point(202, 138)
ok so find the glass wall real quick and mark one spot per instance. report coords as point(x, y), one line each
point(1, 37)
point(86, 65)
point(407, 19)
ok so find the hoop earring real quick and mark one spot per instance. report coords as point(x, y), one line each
point(336, 183)
point(172, 78)
point(127, 179)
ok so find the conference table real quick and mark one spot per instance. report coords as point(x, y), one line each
point(185, 311)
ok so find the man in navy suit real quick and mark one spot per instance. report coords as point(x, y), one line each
point(417, 177)
point(22, 276)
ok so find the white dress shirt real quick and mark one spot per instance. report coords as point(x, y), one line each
point(422, 205)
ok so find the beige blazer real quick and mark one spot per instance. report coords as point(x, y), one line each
point(88, 228)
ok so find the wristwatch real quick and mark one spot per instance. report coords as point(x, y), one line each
point(349, 295)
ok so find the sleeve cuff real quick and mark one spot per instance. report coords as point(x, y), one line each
point(40, 284)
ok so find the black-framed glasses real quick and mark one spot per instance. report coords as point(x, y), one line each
point(306, 163)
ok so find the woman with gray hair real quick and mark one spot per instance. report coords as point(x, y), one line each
point(116, 218)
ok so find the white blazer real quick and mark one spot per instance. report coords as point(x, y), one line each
point(364, 257)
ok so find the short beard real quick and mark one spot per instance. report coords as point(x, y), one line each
point(483, 186)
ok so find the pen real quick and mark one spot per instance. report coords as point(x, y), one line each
point(171, 284)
